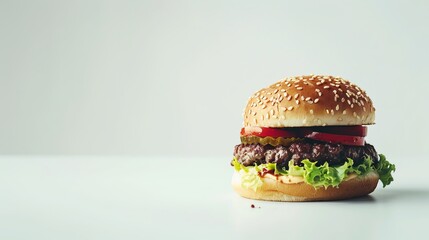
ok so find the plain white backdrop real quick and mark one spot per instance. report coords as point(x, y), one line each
point(172, 77)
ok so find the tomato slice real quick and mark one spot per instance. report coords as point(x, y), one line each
point(347, 135)
point(270, 132)
point(335, 138)
point(358, 130)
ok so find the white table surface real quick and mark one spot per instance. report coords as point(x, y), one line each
point(96, 197)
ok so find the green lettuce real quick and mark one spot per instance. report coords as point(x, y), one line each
point(384, 170)
point(251, 179)
point(316, 176)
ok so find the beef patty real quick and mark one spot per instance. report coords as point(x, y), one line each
point(334, 154)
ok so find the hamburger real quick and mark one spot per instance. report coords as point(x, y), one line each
point(303, 139)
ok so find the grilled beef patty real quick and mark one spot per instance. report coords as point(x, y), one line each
point(334, 154)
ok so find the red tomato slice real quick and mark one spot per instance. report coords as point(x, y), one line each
point(358, 130)
point(270, 132)
point(335, 138)
point(347, 135)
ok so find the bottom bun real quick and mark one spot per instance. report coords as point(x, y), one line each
point(274, 190)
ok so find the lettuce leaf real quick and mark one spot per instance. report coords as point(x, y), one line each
point(250, 179)
point(319, 176)
point(384, 170)
point(316, 176)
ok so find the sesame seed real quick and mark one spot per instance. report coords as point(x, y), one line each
point(320, 94)
point(264, 106)
point(297, 101)
point(364, 109)
point(332, 111)
point(327, 111)
point(311, 111)
point(284, 109)
point(299, 88)
point(289, 98)
point(340, 119)
point(302, 98)
point(316, 100)
point(352, 105)
point(348, 101)
point(325, 87)
point(254, 113)
point(276, 91)
point(344, 112)
point(337, 107)
point(272, 111)
point(290, 108)
point(354, 114)
point(267, 116)
point(308, 98)
point(296, 96)
point(283, 90)
point(318, 83)
point(317, 90)
point(342, 99)
point(255, 120)
point(289, 85)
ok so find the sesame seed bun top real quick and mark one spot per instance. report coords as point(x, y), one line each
point(312, 100)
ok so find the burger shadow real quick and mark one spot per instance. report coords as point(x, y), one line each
point(409, 195)
point(363, 199)
point(393, 195)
